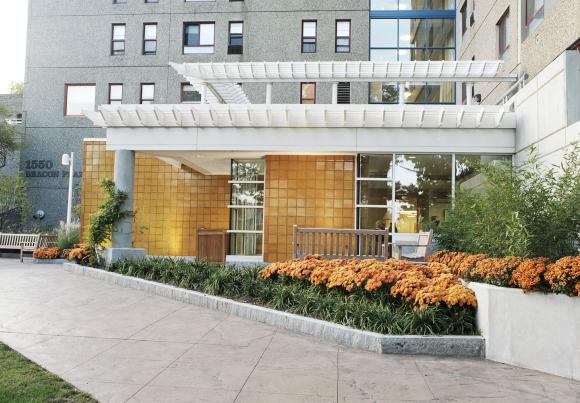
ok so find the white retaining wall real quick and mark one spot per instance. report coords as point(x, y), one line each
point(533, 330)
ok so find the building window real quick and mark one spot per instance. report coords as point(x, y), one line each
point(463, 12)
point(534, 14)
point(118, 40)
point(409, 5)
point(412, 39)
point(115, 94)
point(307, 93)
point(189, 95)
point(342, 44)
point(79, 97)
point(151, 1)
point(149, 39)
point(503, 28)
point(147, 93)
point(236, 38)
point(247, 207)
point(198, 37)
point(309, 36)
point(119, 1)
point(343, 93)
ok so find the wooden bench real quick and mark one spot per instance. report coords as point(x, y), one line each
point(334, 243)
point(26, 242)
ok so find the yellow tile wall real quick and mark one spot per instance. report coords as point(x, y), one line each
point(170, 203)
point(309, 191)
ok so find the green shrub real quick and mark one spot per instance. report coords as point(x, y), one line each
point(525, 210)
point(376, 311)
point(68, 238)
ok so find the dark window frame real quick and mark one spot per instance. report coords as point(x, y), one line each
point(141, 99)
point(66, 95)
point(181, 92)
point(199, 24)
point(303, 38)
point(500, 23)
point(145, 24)
point(231, 49)
point(349, 37)
point(463, 13)
point(122, 92)
point(529, 19)
point(113, 40)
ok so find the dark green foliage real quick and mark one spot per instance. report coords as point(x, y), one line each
point(376, 311)
point(108, 214)
point(15, 206)
point(22, 381)
point(525, 210)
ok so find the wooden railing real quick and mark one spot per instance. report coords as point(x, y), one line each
point(341, 243)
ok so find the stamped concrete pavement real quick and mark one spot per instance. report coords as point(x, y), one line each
point(124, 345)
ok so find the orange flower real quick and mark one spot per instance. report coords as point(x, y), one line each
point(564, 275)
point(47, 253)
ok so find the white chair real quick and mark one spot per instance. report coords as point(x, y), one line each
point(421, 248)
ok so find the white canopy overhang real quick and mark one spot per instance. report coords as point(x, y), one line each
point(304, 116)
point(351, 71)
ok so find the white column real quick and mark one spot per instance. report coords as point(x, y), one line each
point(70, 190)
point(469, 93)
point(334, 93)
point(203, 93)
point(124, 173)
point(268, 93)
point(401, 93)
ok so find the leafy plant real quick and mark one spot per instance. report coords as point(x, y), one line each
point(9, 134)
point(15, 205)
point(67, 238)
point(524, 210)
point(110, 212)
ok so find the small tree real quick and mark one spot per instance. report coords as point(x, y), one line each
point(524, 210)
point(16, 88)
point(9, 134)
point(15, 206)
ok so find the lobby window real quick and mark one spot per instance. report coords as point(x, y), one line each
point(118, 40)
point(247, 207)
point(115, 94)
point(468, 175)
point(503, 38)
point(79, 97)
point(149, 39)
point(343, 33)
point(374, 184)
point(534, 13)
point(189, 95)
point(198, 37)
point(343, 93)
point(147, 93)
point(236, 38)
point(309, 29)
point(307, 93)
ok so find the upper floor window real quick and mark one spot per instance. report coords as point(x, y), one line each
point(236, 38)
point(119, 1)
point(534, 13)
point(115, 94)
point(198, 37)
point(391, 5)
point(151, 1)
point(309, 36)
point(118, 40)
point(79, 97)
point(342, 36)
point(149, 39)
point(307, 93)
point(463, 12)
point(503, 28)
point(189, 95)
point(147, 93)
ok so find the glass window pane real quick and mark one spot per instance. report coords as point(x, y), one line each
point(343, 28)
point(374, 193)
point(248, 170)
point(374, 218)
point(441, 93)
point(151, 31)
point(192, 35)
point(375, 166)
point(247, 194)
point(381, 5)
point(148, 91)
point(118, 32)
point(381, 93)
point(246, 219)
point(415, 93)
point(309, 28)
point(116, 91)
point(441, 33)
point(236, 28)
point(409, 55)
point(206, 34)
point(441, 54)
point(384, 55)
point(190, 95)
point(468, 176)
point(383, 33)
point(150, 46)
point(246, 244)
point(423, 191)
point(79, 98)
point(412, 4)
point(412, 33)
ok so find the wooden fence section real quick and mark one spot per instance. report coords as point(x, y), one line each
point(341, 243)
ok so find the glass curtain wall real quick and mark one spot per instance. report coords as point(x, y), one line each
point(247, 207)
point(413, 192)
point(412, 30)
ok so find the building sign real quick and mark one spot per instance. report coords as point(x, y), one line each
point(46, 169)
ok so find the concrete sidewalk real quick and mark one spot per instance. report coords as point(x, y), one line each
point(124, 345)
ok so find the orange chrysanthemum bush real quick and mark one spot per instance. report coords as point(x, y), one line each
point(536, 274)
point(47, 253)
point(422, 286)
